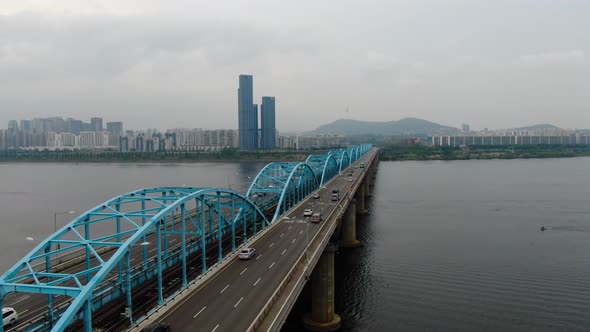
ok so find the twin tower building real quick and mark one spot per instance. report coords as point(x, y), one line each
point(250, 137)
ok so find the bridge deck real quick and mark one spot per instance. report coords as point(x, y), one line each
point(233, 298)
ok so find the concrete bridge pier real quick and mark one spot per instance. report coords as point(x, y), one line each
point(322, 316)
point(349, 239)
point(361, 197)
point(368, 184)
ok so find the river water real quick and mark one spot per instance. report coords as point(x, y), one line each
point(448, 246)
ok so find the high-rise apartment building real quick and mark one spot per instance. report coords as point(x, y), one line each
point(247, 114)
point(25, 125)
point(73, 126)
point(115, 130)
point(87, 139)
point(96, 124)
point(267, 123)
point(13, 125)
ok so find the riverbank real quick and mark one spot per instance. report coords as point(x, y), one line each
point(401, 152)
point(225, 156)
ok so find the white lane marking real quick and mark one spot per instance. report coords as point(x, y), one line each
point(272, 244)
point(132, 260)
point(293, 240)
point(271, 265)
point(258, 257)
point(223, 290)
point(244, 270)
point(215, 328)
point(22, 312)
point(237, 303)
point(290, 227)
point(21, 299)
point(282, 234)
point(283, 252)
point(153, 249)
point(256, 283)
point(173, 240)
point(300, 232)
point(195, 316)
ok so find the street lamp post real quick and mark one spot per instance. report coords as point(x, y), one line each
point(55, 222)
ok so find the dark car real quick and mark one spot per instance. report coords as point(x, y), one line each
point(158, 327)
point(335, 191)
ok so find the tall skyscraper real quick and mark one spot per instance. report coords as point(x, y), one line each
point(96, 124)
point(267, 123)
point(247, 114)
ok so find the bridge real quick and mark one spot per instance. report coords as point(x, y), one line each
point(156, 254)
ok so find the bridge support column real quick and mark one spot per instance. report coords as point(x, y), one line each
point(368, 184)
point(349, 227)
point(361, 196)
point(322, 316)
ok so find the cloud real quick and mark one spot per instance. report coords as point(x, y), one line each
point(554, 58)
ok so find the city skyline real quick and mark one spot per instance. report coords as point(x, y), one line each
point(151, 64)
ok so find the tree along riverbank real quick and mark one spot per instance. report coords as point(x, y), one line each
point(225, 155)
point(418, 152)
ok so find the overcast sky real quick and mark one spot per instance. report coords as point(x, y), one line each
point(166, 64)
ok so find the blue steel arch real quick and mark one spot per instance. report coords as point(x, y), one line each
point(282, 185)
point(157, 204)
point(330, 169)
point(343, 158)
point(305, 174)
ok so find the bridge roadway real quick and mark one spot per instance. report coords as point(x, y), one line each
point(233, 298)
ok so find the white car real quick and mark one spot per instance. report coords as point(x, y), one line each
point(9, 316)
point(307, 212)
point(350, 179)
point(247, 253)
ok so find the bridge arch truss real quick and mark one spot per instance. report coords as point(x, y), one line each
point(208, 223)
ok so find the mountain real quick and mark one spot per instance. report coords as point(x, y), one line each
point(407, 126)
point(541, 126)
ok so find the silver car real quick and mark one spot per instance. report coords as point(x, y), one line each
point(9, 316)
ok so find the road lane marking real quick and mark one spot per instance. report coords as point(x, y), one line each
point(256, 283)
point(215, 328)
point(290, 227)
point(282, 234)
point(223, 290)
point(195, 316)
point(300, 232)
point(237, 303)
point(22, 312)
point(21, 299)
point(283, 252)
point(153, 249)
point(272, 244)
point(244, 270)
point(293, 240)
point(271, 265)
point(258, 257)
